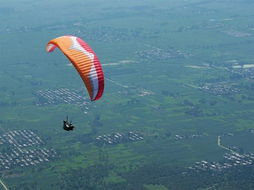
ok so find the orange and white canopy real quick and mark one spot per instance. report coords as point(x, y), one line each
point(84, 60)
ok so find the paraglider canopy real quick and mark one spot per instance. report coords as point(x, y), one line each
point(84, 60)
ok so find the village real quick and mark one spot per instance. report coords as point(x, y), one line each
point(118, 138)
point(238, 68)
point(235, 33)
point(243, 71)
point(156, 53)
point(189, 136)
point(219, 89)
point(59, 96)
point(23, 148)
point(230, 160)
point(103, 33)
point(144, 92)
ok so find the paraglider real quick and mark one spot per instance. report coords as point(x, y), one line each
point(84, 60)
point(86, 63)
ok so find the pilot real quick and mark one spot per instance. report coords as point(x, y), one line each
point(67, 126)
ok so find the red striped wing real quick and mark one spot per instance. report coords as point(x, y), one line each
point(84, 60)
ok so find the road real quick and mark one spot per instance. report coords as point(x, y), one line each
point(117, 83)
point(4, 186)
point(220, 145)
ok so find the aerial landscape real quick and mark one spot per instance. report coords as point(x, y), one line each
point(177, 108)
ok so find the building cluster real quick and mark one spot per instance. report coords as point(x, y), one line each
point(243, 72)
point(237, 34)
point(20, 138)
point(103, 33)
point(178, 137)
point(109, 34)
point(251, 131)
point(22, 148)
point(230, 160)
point(144, 92)
point(117, 138)
point(190, 136)
point(59, 96)
point(155, 53)
point(219, 89)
